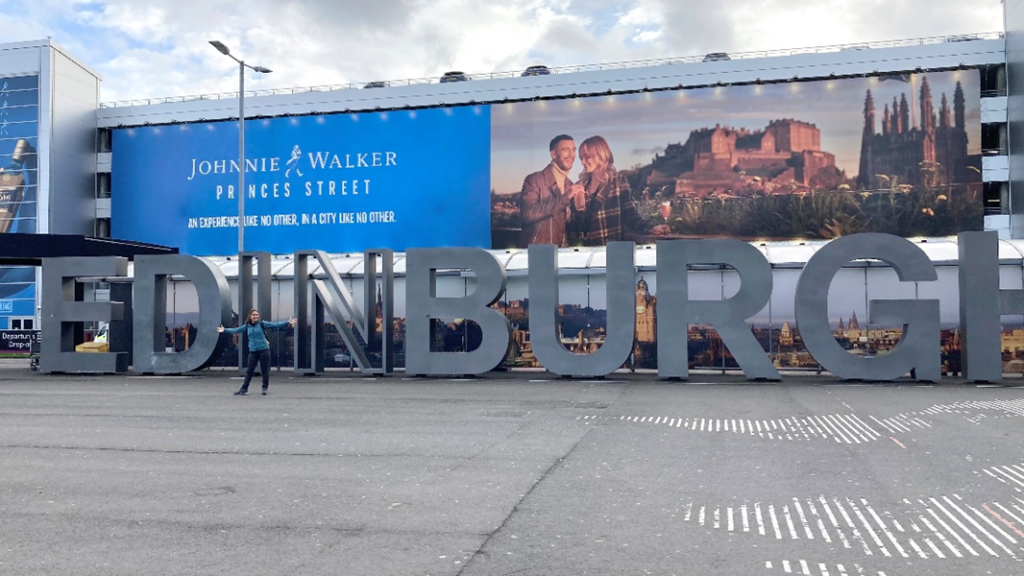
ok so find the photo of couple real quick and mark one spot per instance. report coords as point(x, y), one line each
point(809, 160)
point(596, 209)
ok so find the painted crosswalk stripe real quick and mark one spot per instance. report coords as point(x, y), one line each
point(760, 521)
point(935, 549)
point(978, 526)
point(1012, 474)
point(882, 424)
point(862, 425)
point(775, 522)
point(941, 538)
point(986, 519)
point(789, 522)
point(854, 531)
point(815, 428)
point(803, 519)
point(1019, 522)
point(1005, 478)
point(835, 524)
point(819, 521)
point(846, 431)
point(952, 532)
point(920, 552)
point(884, 528)
point(961, 525)
point(870, 530)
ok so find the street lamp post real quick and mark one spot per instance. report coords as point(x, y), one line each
point(241, 136)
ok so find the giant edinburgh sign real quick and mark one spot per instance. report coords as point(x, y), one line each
point(981, 303)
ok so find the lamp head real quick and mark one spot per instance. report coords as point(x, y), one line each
point(220, 47)
point(262, 70)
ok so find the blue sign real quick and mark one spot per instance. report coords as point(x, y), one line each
point(340, 183)
point(19, 140)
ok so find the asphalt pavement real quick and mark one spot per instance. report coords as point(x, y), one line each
point(516, 473)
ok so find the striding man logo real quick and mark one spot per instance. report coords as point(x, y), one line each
point(293, 162)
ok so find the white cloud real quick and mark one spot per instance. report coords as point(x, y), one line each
point(148, 48)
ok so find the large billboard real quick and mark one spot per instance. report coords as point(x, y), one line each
point(339, 182)
point(19, 139)
point(898, 154)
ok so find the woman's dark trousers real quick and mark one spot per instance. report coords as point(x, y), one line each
point(263, 357)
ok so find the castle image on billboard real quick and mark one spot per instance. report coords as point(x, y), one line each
point(939, 143)
point(723, 161)
point(820, 163)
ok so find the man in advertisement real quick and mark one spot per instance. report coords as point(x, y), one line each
point(547, 194)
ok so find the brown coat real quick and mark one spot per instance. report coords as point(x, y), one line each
point(542, 207)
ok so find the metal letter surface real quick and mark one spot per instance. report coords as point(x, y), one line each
point(151, 274)
point(621, 287)
point(264, 274)
point(981, 304)
point(676, 312)
point(333, 298)
point(918, 350)
point(422, 305)
point(64, 312)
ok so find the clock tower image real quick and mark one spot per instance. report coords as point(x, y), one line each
point(646, 325)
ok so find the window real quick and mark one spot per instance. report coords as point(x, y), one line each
point(22, 323)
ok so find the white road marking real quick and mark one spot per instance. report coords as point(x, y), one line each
point(775, 522)
point(917, 549)
point(817, 518)
point(941, 538)
point(789, 522)
point(853, 528)
point(885, 529)
point(760, 521)
point(961, 524)
point(867, 525)
point(803, 519)
point(950, 530)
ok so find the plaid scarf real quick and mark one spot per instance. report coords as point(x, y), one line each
point(610, 214)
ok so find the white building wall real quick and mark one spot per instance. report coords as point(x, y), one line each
point(72, 156)
point(775, 68)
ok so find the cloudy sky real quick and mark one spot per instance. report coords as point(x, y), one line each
point(152, 48)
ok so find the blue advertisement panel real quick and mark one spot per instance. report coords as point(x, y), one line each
point(19, 136)
point(340, 182)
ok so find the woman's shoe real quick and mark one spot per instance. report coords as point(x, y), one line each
point(241, 393)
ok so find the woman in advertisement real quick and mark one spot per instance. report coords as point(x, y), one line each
point(259, 347)
point(608, 214)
